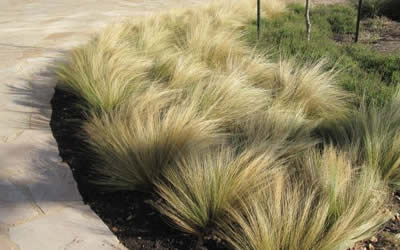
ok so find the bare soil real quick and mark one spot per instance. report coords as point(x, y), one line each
point(381, 34)
point(389, 237)
point(385, 38)
point(388, 37)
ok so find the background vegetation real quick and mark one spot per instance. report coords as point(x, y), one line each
point(363, 71)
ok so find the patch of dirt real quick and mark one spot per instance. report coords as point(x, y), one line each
point(129, 215)
point(388, 36)
point(381, 34)
point(385, 38)
point(389, 237)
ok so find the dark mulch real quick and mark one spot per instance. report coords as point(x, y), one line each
point(128, 214)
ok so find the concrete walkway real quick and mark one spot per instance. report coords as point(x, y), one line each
point(40, 206)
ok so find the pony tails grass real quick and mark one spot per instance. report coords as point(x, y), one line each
point(126, 56)
point(103, 77)
point(198, 190)
point(227, 98)
point(178, 71)
point(371, 133)
point(144, 136)
point(333, 208)
point(280, 127)
point(311, 89)
point(271, 219)
point(357, 196)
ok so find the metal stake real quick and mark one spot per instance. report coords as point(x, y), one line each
point(258, 18)
point(358, 21)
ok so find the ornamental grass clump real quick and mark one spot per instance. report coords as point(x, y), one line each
point(228, 98)
point(278, 126)
point(309, 88)
point(144, 136)
point(333, 207)
point(103, 75)
point(372, 135)
point(199, 189)
point(127, 55)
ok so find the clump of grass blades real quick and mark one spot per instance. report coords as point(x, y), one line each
point(309, 88)
point(149, 36)
point(335, 210)
point(211, 45)
point(104, 75)
point(178, 71)
point(235, 14)
point(105, 72)
point(228, 98)
point(278, 126)
point(371, 134)
point(200, 187)
point(144, 136)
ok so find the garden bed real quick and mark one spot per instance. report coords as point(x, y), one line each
point(181, 135)
point(130, 215)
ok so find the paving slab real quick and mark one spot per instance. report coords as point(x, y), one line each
point(74, 227)
point(15, 206)
point(40, 205)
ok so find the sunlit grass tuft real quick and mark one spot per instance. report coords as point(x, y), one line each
point(280, 127)
point(333, 207)
point(371, 134)
point(201, 187)
point(103, 77)
point(310, 88)
point(144, 136)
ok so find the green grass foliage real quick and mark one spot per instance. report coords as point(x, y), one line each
point(362, 71)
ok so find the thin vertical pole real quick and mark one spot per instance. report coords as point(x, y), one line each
point(308, 22)
point(358, 21)
point(258, 18)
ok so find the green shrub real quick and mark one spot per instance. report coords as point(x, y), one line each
point(342, 19)
point(385, 66)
